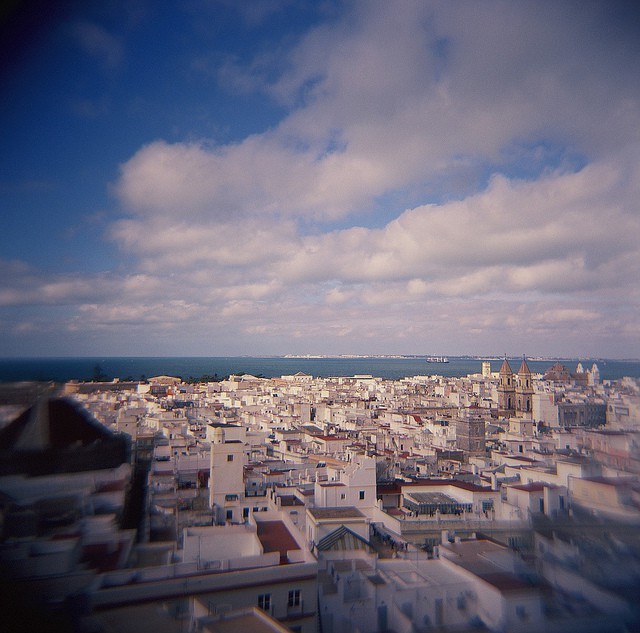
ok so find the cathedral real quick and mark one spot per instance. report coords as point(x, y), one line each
point(515, 391)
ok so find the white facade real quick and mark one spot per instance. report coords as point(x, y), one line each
point(353, 485)
point(226, 480)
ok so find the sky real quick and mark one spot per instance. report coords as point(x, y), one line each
point(212, 177)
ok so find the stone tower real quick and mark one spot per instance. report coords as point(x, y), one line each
point(524, 390)
point(507, 389)
point(470, 434)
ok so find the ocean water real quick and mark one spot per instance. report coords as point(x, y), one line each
point(136, 368)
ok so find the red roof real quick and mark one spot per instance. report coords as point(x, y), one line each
point(275, 537)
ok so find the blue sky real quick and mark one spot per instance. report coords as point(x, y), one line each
point(216, 178)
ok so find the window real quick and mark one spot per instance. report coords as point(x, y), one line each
point(294, 598)
point(229, 458)
point(264, 601)
point(362, 494)
point(343, 495)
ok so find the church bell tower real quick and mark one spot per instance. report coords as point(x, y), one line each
point(507, 389)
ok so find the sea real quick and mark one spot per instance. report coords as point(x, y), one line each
point(194, 367)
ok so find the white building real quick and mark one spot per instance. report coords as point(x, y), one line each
point(226, 480)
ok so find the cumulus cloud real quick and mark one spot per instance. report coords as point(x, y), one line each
point(540, 258)
point(559, 233)
point(259, 176)
point(402, 95)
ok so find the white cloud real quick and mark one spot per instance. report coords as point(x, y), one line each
point(519, 259)
point(398, 96)
point(260, 176)
point(571, 315)
point(560, 245)
point(166, 314)
point(564, 232)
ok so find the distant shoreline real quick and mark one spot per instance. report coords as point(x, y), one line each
point(63, 369)
point(550, 359)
